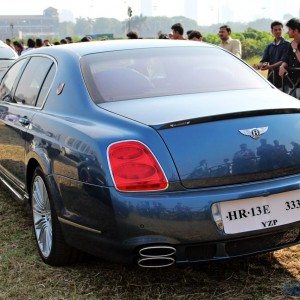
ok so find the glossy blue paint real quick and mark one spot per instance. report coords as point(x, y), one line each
point(129, 220)
point(194, 137)
point(202, 105)
point(216, 153)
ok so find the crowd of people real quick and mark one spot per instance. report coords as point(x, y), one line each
point(20, 48)
point(281, 58)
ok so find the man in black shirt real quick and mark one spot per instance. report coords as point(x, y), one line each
point(274, 54)
point(291, 62)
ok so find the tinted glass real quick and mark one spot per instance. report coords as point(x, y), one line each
point(46, 86)
point(32, 80)
point(9, 80)
point(142, 73)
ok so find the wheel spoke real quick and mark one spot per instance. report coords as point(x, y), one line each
point(43, 239)
point(35, 211)
point(46, 200)
point(39, 196)
point(48, 239)
point(39, 223)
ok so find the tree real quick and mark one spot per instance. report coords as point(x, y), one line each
point(83, 26)
point(108, 25)
point(212, 39)
point(138, 23)
point(66, 29)
point(261, 24)
point(253, 42)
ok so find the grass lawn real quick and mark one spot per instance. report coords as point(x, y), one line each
point(24, 276)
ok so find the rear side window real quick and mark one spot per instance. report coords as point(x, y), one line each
point(46, 86)
point(32, 79)
point(155, 72)
point(9, 80)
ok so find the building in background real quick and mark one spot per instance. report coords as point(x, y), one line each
point(147, 8)
point(191, 9)
point(23, 26)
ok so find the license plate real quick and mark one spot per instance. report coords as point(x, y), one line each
point(260, 212)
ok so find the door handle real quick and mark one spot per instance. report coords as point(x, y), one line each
point(24, 121)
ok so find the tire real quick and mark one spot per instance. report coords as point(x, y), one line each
point(49, 238)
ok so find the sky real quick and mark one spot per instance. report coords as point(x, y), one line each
point(209, 11)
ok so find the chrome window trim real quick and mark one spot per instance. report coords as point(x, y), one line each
point(43, 104)
point(68, 222)
point(6, 174)
point(11, 188)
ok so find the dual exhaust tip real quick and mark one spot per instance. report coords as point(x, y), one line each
point(156, 257)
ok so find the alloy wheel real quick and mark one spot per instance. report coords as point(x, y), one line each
point(42, 220)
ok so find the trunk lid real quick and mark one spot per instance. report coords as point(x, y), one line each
point(223, 152)
point(226, 137)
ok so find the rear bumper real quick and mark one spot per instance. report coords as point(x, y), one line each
point(228, 249)
point(185, 254)
point(123, 223)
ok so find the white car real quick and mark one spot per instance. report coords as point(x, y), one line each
point(7, 57)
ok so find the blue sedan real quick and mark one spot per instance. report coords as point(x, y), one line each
point(150, 152)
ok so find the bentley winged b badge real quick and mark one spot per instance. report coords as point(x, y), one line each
point(255, 133)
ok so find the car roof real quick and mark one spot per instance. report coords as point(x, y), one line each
point(84, 48)
point(9, 52)
point(4, 45)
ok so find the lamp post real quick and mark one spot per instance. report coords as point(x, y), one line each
point(12, 30)
point(129, 13)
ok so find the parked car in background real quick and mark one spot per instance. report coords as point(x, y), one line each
point(151, 152)
point(7, 57)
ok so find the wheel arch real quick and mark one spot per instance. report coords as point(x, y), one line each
point(34, 160)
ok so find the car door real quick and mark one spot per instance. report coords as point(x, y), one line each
point(18, 101)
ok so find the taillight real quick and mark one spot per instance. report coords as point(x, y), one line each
point(134, 168)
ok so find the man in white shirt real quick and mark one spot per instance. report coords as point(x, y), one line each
point(232, 45)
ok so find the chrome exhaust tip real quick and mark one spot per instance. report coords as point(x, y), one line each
point(156, 262)
point(156, 256)
point(155, 251)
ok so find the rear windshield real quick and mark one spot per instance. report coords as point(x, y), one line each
point(155, 72)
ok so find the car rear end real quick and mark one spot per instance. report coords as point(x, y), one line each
point(237, 190)
point(233, 141)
